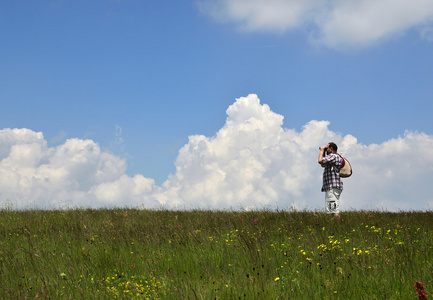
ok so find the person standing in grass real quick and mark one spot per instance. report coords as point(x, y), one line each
point(332, 183)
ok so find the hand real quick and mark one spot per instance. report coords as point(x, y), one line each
point(323, 148)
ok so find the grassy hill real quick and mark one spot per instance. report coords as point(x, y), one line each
point(163, 254)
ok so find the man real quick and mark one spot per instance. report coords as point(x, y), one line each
point(332, 184)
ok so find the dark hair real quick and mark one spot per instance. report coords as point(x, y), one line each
point(333, 146)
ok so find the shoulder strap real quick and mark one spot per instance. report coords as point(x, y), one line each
point(344, 161)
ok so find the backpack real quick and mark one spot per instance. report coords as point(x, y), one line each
point(346, 168)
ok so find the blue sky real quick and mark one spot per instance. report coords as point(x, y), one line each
point(139, 77)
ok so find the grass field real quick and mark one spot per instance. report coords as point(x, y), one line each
point(264, 254)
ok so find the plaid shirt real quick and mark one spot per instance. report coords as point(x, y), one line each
point(331, 175)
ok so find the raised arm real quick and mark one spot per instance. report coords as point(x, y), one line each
point(321, 155)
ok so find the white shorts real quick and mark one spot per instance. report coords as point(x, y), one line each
point(332, 201)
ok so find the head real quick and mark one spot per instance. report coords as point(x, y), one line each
point(332, 148)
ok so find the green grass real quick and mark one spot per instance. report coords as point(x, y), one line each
point(163, 254)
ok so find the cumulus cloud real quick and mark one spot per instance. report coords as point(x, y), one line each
point(252, 161)
point(336, 24)
point(34, 175)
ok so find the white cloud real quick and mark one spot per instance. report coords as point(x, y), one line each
point(33, 174)
point(251, 15)
point(334, 23)
point(252, 161)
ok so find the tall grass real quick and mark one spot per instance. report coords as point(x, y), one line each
point(163, 254)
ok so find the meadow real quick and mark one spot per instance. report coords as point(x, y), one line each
point(199, 254)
